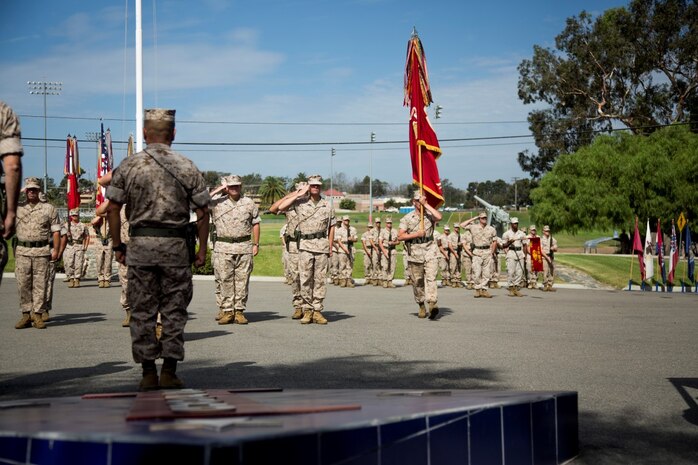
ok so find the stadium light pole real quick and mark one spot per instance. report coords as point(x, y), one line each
point(370, 180)
point(45, 88)
point(94, 137)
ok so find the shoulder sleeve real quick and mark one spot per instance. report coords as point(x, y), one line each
point(116, 189)
point(10, 132)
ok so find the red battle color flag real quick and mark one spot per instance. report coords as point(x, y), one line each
point(424, 146)
point(638, 247)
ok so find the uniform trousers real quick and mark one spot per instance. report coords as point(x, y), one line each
point(105, 256)
point(466, 264)
point(368, 266)
point(515, 268)
point(123, 281)
point(388, 264)
point(548, 272)
point(376, 262)
point(73, 258)
point(423, 277)
point(445, 268)
point(292, 263)
point(158, 289)
point(312, 270)
point(32, 276)
point(48, 301)
point(234, 272)
point(482, 268)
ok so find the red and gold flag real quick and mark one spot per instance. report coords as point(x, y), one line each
point(536, 254)
point(424, 146)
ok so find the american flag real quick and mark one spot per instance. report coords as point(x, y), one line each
point(105, 162)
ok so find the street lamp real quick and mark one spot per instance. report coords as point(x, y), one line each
point(516, 193)
point(370, 180)
point(333, 152)
point(45, 88)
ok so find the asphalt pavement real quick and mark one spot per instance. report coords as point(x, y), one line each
point(630, 355)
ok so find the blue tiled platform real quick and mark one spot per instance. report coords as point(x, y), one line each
point(389, 427)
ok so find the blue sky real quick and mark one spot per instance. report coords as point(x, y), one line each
point(325, 72)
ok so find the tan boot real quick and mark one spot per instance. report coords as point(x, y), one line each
point(37, 322)
point(485, 294)
point(71, 282)
point(377, 282)
point(517, 293)
point(551, 289)
point(219, 315)
point(342, 282)
point(350, 283)
point(101, 284)
point(24, 322)
point(307, 317)
point(107, 284)
point(391, 285)
point(384, 284)
point(227, 318)
point(45, 316)
point(454, 284)
point(478, 293)
point(422, 311)
point(318, 318)
point(297, 314)
point(433, 310)
point(470, 286)
point(127, 319)
point(76, 283)
point(240, 318)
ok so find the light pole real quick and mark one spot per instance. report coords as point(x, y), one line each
point(370, 180)
point(45, 88)
point(333, 152)
point(95, 137)
point(516, 193)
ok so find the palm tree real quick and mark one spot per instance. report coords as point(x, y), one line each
point(271, 190)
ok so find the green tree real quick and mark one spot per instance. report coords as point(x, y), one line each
point(271, 189)
point(636, 66)
point(347, 204)
point(212, 178)
point(300, 177)
point(608, 183)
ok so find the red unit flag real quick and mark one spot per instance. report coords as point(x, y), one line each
point(637, 247)
point(72, 169)
point(424, 146)
point(536, 254)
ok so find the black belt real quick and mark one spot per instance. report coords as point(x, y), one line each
point(515, 248)
point(33, 243)
point(317, 235)
point(420, 240)
point(234, 240)
point(75, 242)
point(482, 247)
point(158, 232)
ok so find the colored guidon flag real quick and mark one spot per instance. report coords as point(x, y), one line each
point(424, 146)
point(105, 163)
point(72, 170)
point(536, 254)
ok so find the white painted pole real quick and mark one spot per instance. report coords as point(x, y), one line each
point(139, 78)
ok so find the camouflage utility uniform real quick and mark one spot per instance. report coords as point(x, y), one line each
point(389, 258)
point(159, 271)
point(368, 256)
point(515, 258)
point(105, 254)
point(422, 256)
point(482, 254)
point(10, 144)
point(74, 253)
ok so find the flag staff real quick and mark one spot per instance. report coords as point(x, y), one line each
point(632, 258)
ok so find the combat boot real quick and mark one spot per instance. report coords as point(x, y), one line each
point(422, 311)
point(127, 319)
point(297, 314)
point(24, 322)
point(45, 316)
point(512, 291)
point(454, 284)
point(384, 284)
point(227, 318)
point(318, 318)
point(517, 293)
point(550, 288)
point(408, 282)
point(158, 331)
point(168, 376)
point(307, 317)
point(377, 282)
point(149, 382)
point(485, 294)
point(71, 282)
point(478, 293)
point(101, 284)
point(433, 310)
point(219, 315)
point(350, 283)
point(37, 322)
point(470, 286)
point(240, 318)
point(76, 283)
point(342, 282)
point(107, 283)
point(391, 285)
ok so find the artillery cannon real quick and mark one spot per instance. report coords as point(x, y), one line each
point(496, 216)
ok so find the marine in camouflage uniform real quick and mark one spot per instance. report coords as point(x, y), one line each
point(454, 249)
point(48, 300)
point(376, 255)
point(334, 259)
point(344, 238)
point(237, 223)
point(548, 245)
point(36, 221)
point(387, 241)
point(284, 253)
point(483, 236)
point(514, 241)
point(291, 239)
point(159, 185)
point(422, 253)
point(11, 152)
point(532, 275)
point(368, 254)
point(442, 243)
point(316, 223)
point(104, 253)
point(74, 254)
point(467, 258)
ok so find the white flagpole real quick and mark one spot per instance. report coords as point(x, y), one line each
point(139, 78)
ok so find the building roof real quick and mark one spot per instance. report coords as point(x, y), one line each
point(333, 193)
